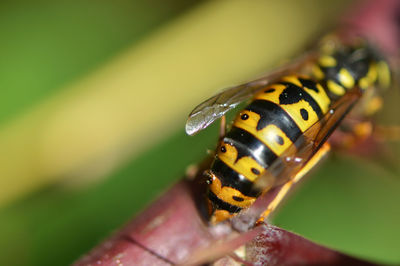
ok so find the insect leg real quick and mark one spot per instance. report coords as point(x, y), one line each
point(354, 132)
point(222, 128)
point(286, 187)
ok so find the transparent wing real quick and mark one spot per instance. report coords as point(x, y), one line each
point(298, 154)
point(294, 159)
point(213, 108)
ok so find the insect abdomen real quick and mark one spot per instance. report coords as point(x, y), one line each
point(274, 120)
point(277, 117)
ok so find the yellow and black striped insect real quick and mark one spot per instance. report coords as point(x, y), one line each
point(282, 133)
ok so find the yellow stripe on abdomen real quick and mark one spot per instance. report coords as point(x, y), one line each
point(246, 166)
point(301, 112)
point(272, 136)
point(230, 195)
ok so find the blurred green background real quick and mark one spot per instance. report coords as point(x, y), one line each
point(94, 96)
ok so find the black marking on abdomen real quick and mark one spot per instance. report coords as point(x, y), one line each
point(222, 205)
point(273, 114)
point(309, 84)
point(279, 140)
point(304, 114)
point(294, 94)
point(248, 145)
point(236, 198)
point(269, 90)
point(244, 116)
point(255, 171)
point(231, 178)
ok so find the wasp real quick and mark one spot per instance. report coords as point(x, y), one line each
point(283, 133)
